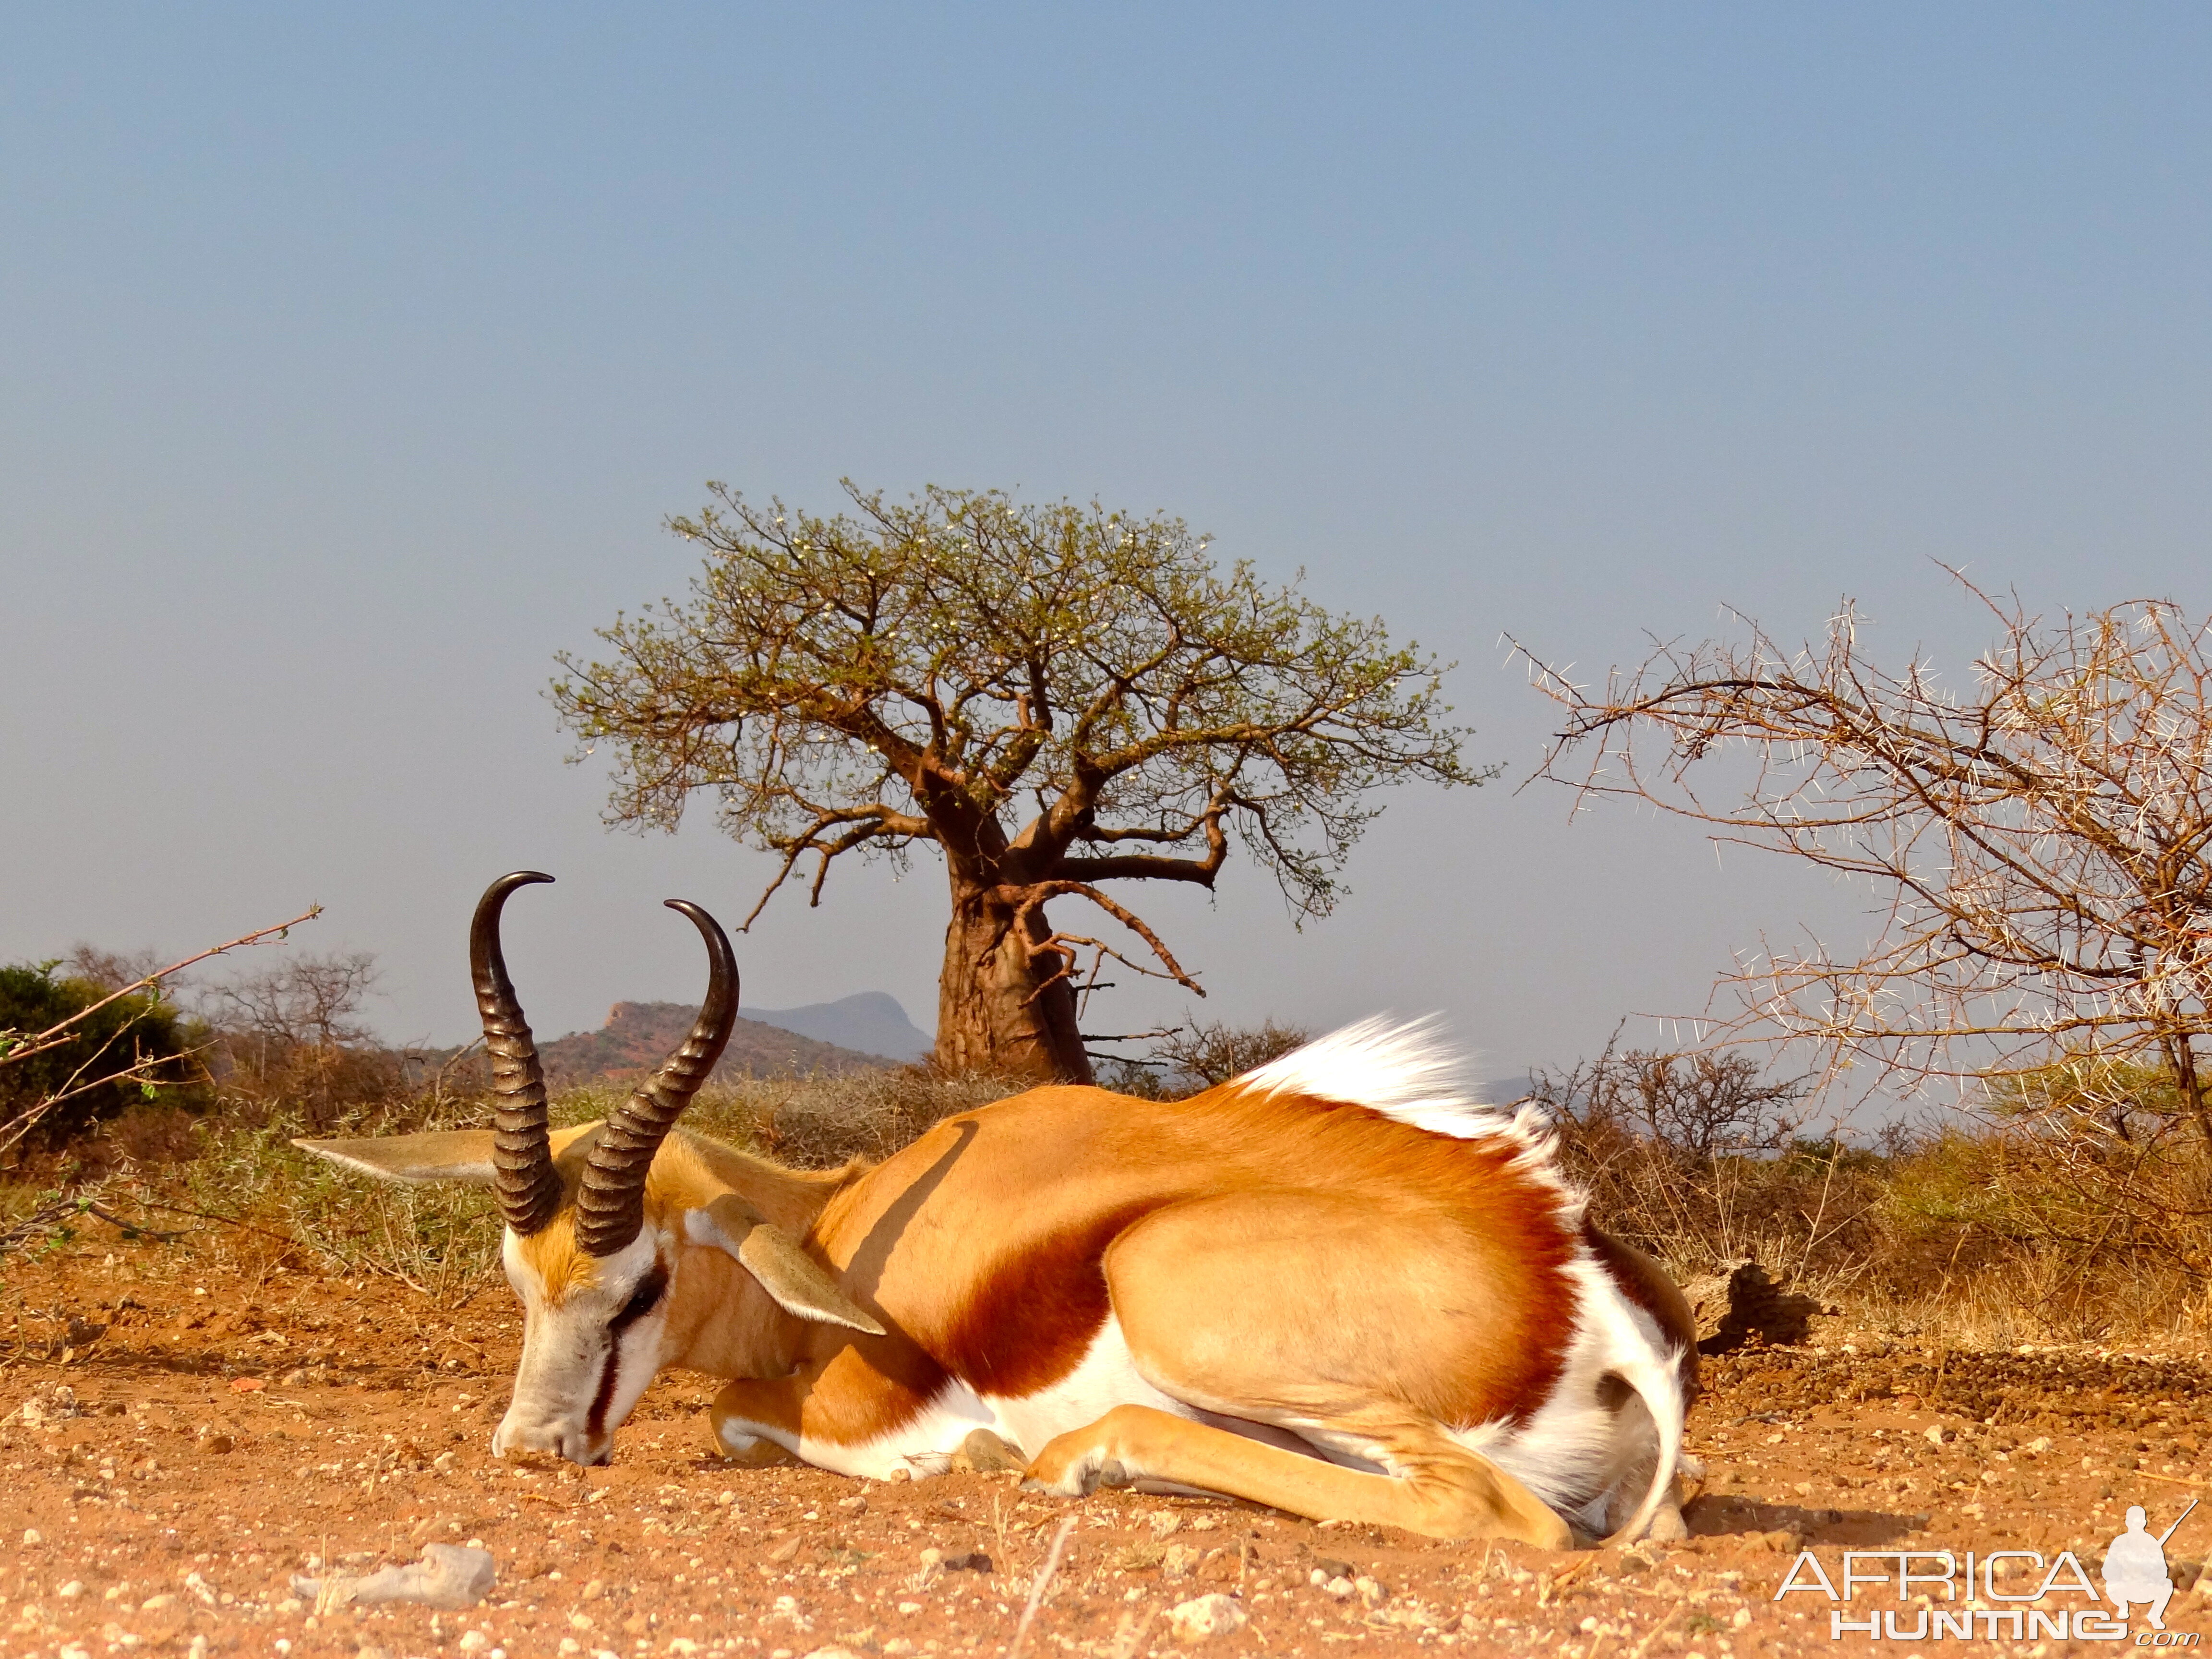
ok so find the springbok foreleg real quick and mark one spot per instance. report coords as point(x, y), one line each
point(1446, 1491)
point(754, 1422)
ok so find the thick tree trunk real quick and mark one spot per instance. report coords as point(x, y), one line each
point(990, 1015)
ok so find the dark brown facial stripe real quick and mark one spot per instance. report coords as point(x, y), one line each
point(642, 1300)
point(595, 1424)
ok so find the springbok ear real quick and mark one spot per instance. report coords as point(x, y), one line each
point(462, 1155)
point(773, 1257)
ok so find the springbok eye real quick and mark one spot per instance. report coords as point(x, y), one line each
point(642, 1300)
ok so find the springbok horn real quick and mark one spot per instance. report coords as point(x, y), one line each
point(522, 1161)
point(611, 1202)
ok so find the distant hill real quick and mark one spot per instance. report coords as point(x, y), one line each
point(872, 1023)
point(639, 1036)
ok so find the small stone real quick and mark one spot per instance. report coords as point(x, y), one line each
point(198, 1649)
point(31, 1536)
point(900, 1474)
point(593, 1590)
point(1369, 1591)
point(1206, 1618)
point(474, 1641)
point(155, 1603)
point(855, 1504)
point(1339, 1587)
point(570, 1644)
point(786, 1550)
point(1936, 1434)
point(370, 1653)
point(832, 1652)
point(987, 1454)
point(71, 1590)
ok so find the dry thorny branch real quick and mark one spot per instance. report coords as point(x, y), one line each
point(2041, 838)
point(17, 1046)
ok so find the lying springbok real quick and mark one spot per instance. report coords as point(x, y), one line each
point(1331, 1286)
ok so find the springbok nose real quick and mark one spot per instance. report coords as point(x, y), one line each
point(530, 1433)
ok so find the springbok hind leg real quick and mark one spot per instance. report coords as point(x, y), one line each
point(1447, 1491)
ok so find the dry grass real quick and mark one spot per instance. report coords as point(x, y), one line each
point(243, 1200)
point(1985, 1235)
point(1991, 1234)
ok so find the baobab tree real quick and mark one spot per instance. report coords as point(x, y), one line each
point(1060, 699)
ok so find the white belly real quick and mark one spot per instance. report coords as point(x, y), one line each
point(1104, 1378)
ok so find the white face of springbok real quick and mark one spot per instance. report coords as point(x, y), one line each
point(587, 1354)
point(594, 1271)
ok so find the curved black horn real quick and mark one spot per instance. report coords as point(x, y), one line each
point(610, 1203)
point(522, 1159)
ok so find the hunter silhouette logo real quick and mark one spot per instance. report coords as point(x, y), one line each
point(1962, 1595)
point(2135, 1567)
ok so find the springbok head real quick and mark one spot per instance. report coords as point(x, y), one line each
point(595, 1237)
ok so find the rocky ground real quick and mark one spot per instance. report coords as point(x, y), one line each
point(177, 1449)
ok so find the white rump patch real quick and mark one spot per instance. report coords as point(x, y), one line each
point(1403, 1068)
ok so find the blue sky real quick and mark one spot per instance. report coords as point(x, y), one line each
point(352, 361)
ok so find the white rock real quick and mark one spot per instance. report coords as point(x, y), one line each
point(31, 1536)
point(449, 1576)
point(71, 1590)
point(1206, 1618)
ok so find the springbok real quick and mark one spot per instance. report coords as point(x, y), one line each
point(1332, 1285)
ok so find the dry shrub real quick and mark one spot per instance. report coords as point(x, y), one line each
point(2053, 1212)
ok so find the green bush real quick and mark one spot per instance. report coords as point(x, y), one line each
point(136, 1048)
